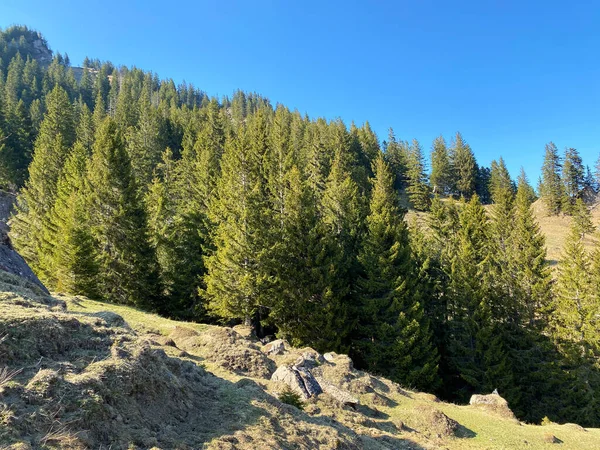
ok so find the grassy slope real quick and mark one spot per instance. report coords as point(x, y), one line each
point(555, 228)
point(481, 429)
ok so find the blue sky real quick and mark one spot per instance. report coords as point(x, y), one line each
point(509, 75)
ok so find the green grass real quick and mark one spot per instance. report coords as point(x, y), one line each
point(137, 319)
point(479, 429)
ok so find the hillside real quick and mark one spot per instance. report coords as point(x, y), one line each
point(554, 228)
point(85, 374)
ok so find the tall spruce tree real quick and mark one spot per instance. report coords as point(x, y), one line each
point(128, 270)
point(464, 167)
point(234, 283)
point(396, 155)
point(574, 327)
point(393, 336)
point(73, 263)
point(418, 190)
point(572, 177)
point(551, 186)
point(441, 169)
point(30, 221)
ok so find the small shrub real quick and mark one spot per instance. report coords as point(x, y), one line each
point(291, 398)
point(546, 421)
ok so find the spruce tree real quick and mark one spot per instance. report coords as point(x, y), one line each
point(464, 167)
point(396, 155)
point(468, 308)
point(306, 305)
point(128, 271)
point(441, 169)
point(501, 186)
point(572, 177)
point(582, 218)
point(393, 336)
point(575, 329)
point(527, 190)
point(418, 190)
point(234, 283)
point(551, 186)
point(30, 223)
point(176, 224)
point(73, 263)
point(529, 266)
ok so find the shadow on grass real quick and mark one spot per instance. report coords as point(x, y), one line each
point(464, 432)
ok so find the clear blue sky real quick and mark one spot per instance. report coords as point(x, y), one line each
point(509, 75)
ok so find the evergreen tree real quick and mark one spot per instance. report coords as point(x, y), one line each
point(128, 271)
point(572, 177)
point(176, 223)
point(528, 192)
point(574, 327)
point(501, 186)
point(393, 337)
point(30, 223)
point(396, 155)
point(418, 190)
point(551, 187)
point(234, 283)
point(529, 265)
point(73, 264)
point(464, 167)
point(441, 169)
point(468, 311)
point(582, 218)
point(306, 306)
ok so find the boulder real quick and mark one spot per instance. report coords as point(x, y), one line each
point(291, 377)
point(310, 383)
point(493, 403)
point(343, 397)
point(309, 359)
point(276, 347)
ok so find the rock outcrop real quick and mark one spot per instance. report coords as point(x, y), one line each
point(10, 260)
point(493, 403)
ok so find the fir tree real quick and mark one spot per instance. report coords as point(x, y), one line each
point(528, 192)
point(418, 190)
point(441, 169)
point(30, 223)
point(572, 177)
point(234, 284)
point(73, 265)
point(176, 229)
point(551, 187)
point(582, 218)
point(464, 167)
point(128, 271)
point(396, 155)
point(574, 327)
point(393, 337)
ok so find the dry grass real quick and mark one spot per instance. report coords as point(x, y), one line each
point(110, 384)
point(6, 375)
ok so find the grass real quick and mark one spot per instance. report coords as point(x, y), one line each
point(555, 228)
point(137, 319)
point(244, 409)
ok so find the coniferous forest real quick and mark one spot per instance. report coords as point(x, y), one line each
point(134, 190)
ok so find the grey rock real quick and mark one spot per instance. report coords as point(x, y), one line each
point(329, 356)
point(292, 379)
point(276, 347)
point(311, 385)
point(340, 395)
